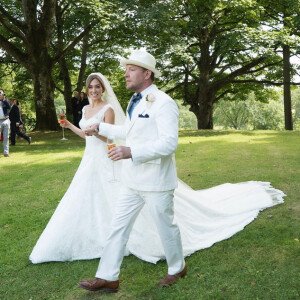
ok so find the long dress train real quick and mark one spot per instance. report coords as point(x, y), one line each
point(80, 224)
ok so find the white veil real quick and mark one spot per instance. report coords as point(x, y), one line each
point(110, 97)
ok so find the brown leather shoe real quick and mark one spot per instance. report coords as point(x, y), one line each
point(98, 284)
point(171, 279)
point(6, 155)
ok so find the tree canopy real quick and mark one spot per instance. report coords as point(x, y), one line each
point(207, 50)
point(210, 49)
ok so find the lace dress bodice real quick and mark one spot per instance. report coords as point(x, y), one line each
point(92, 141)
point(97, 118)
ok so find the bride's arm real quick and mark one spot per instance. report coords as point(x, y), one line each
point(109, 118)
point(75, 129)
point(107, 127)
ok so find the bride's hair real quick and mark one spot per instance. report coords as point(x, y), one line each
point(90, 79)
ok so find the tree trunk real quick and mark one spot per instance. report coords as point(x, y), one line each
point(287, 89)
point(85, 47)
point(64, 71)
point(27, 39)
point(204, 115)
point(46, 118)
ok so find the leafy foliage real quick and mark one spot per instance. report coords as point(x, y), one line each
point(51, 51)
point(210, 49)
point(296, 108)
point(250, 113)
point(207, 50)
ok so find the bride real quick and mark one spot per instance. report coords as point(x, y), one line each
point(79, 226)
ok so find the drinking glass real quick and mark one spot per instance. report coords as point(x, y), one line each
point(62, 121)
point(111, 143)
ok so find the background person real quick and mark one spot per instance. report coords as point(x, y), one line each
point(15, 122)
point(75, 104)
point(4, 121)
point(83, 101)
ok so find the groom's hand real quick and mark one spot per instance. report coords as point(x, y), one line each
point(120, 152)
point(91, 129)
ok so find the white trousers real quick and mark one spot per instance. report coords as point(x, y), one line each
point(4, 127)
point(129, 204)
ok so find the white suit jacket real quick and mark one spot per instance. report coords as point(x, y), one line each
point(152, 135)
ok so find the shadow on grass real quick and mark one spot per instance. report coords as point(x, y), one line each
point(51, 141)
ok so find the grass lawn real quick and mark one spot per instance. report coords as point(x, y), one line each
point(260, 262)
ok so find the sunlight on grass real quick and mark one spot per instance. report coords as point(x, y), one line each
point(230, 137)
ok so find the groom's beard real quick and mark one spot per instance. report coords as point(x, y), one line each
point(131, 87)
point(135, 86)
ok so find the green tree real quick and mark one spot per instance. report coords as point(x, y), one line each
point(232, 114)
point(296, 108)
point(284, 17)
point(98, 49)
point(210, 49)
point(26, 35)
point(250, 113)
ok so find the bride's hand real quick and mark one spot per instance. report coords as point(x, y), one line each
point(91, 129)
point(67, 124)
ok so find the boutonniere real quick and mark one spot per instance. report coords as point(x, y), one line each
point(150, 98)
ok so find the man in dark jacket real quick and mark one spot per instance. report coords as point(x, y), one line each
point(75, 101)
point(15, 120)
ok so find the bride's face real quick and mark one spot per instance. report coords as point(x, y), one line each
point(95, 90)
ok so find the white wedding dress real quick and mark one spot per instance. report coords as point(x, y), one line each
point(80, 224)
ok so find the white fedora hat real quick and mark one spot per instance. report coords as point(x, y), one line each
point(142, 59)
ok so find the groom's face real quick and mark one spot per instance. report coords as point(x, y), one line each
point(135, 78)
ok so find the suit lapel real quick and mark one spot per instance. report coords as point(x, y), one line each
point(140, 108)
point(128, 106)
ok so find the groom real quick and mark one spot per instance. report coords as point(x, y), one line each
point(148, 172)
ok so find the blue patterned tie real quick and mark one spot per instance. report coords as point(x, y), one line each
point(135, 101)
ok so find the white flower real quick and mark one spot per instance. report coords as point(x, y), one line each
point(150, 98)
